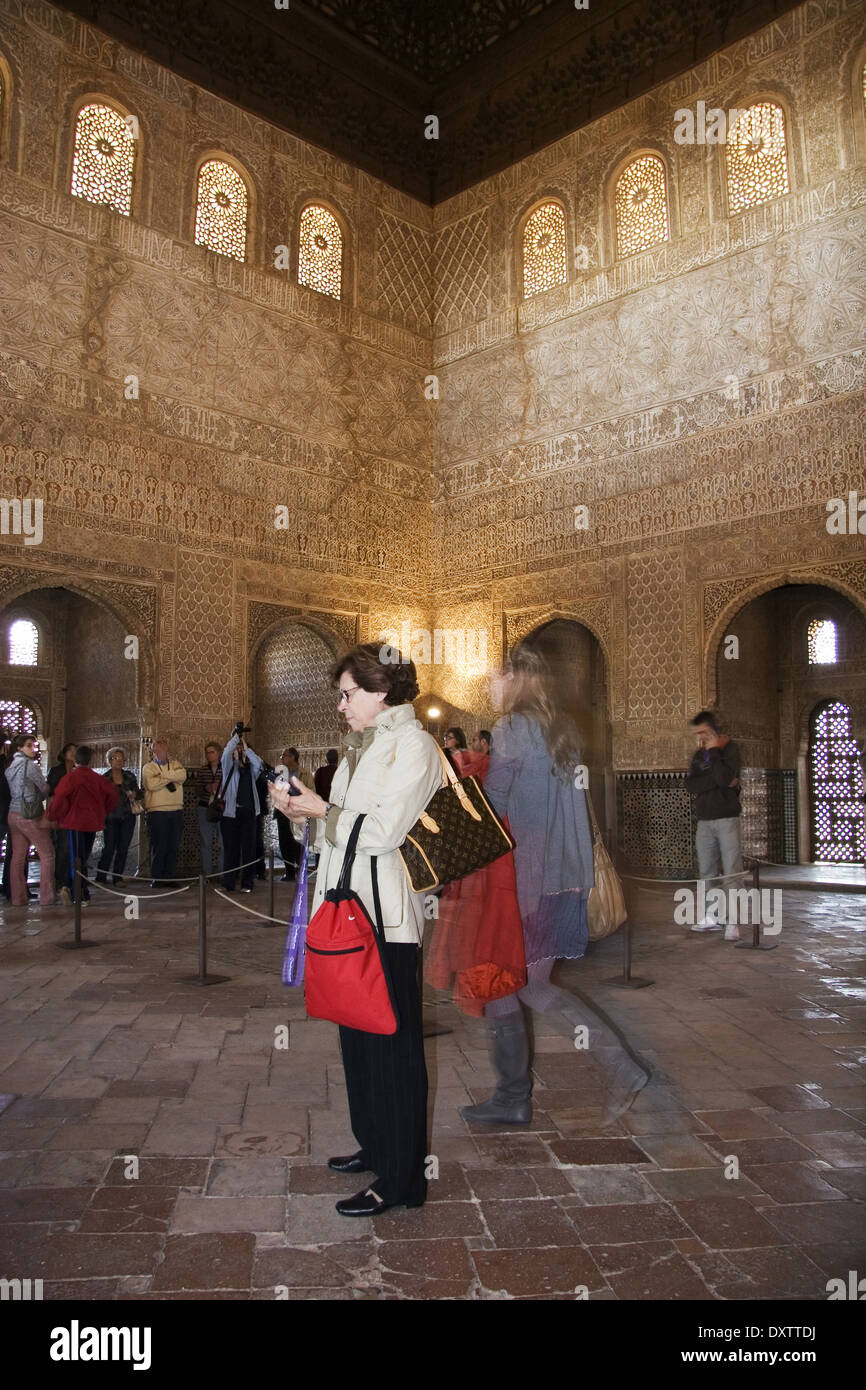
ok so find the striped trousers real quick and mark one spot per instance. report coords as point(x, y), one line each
point(386, 1081)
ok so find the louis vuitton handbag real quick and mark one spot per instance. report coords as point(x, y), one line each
point(605, 909)
point(458, 833)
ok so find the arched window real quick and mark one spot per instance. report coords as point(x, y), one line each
point(221, 209)
point(544, 250)
point(320, 252)
point(103, 157)
point(822, 642)
point(16, 718)
point(838, 814)
point(23, 643)
point(757, 157)
point(641, 205)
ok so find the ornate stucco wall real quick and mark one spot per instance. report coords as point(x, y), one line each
point(613, 391)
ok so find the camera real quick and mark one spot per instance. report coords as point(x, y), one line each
point(171, 786)
point(241, 728)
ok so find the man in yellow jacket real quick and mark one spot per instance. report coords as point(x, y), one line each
point(163, 778)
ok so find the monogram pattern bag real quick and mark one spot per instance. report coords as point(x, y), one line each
point(606, 909)
point(458, 833)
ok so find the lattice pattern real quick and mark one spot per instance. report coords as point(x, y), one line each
point(654, 823)
point(838, 814)
point(403, 277)
point(822, 642)
point(221, 210)
point(757, 157)
point(103, 158)
point(295, 703)
point(320, 257)
point(768, 824)
point(641, 206)
point(544, 252)
point(16, 718)
point(654, 621)
point(203, 675)
point(462, 280)
point(23, 643)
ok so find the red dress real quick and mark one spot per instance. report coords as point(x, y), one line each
point(478, 937)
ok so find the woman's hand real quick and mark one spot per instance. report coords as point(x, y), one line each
point(308, 804)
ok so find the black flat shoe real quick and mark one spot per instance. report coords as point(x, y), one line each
point(352, 1164)
point(369, 1203)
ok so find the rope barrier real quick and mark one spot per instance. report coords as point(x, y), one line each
point(144, 897)
point(714, 878)
point(194, 878)
point(251, 910)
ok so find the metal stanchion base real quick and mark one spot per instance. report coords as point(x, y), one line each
point(197, 979)
point(634, 982)
point(75, 945)
point(750, 946)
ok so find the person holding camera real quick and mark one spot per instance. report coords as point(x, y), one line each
point(241, 769)
point(713, 780)
point(163, 778)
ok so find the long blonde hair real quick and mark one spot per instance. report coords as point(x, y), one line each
point(533, 691)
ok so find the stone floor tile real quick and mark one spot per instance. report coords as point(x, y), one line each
point(789, 1098)
point(627, 1223)
point(794, 1182)
point(677, 1151)
point(740, 1124)
point(206, 1262)
point(132, 1210)
point(592, 1151)
point(160, 1172)
point(540, 1273)
point(727, 1223)
point(520, 1223)
point(247, 1177)
point(680, 1183)
point(818, 1223)
point(601, 1185)
point(668, 1278)
point(431, 1221)
point(501, 1182)
point(841, 1150)
point(194, 1214)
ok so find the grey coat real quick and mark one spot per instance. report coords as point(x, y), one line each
point(547, 813)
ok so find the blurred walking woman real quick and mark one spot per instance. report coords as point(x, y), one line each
point(532, 780)
point(390, 772)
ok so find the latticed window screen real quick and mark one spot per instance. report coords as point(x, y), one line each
point(838, 812)
point(641, 206)
point(221, 209)
point(103, 158)
point(757, 157)
point(544, 250)
point(320, 252)
point(822, 642)
point(23, 643)
point(16, 718)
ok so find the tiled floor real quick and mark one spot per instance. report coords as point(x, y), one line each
point(739, 1173)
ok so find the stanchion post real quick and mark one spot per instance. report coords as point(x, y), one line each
point(627, 980)
point(76, 944)
point(757, 943)
point(202, 978)
point(271, 912)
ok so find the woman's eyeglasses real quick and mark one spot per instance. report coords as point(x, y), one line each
point(347, 694)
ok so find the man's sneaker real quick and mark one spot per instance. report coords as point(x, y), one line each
point(732, 932)
point(707, 924)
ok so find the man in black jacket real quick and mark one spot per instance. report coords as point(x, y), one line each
point(714, 780)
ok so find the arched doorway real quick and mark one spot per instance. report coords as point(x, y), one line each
point(837, 787)
point(63, 655)
point(782, 655)
point(576, 659)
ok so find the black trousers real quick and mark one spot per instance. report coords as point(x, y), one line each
point(386, 1081)
point(290, 850)
point(239, 847)
point(81, 846)
point(118, 835)
point(165, 829)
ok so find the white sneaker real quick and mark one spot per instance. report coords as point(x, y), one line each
point(707, 924)
point(732, 932)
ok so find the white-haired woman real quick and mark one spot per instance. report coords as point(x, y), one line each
point(119, 823)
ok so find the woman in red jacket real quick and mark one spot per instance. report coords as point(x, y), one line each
point(80, 805)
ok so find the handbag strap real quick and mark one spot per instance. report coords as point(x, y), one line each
point(349, 855)
point(596, 833)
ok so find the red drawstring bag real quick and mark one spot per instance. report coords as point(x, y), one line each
point(347, 980)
